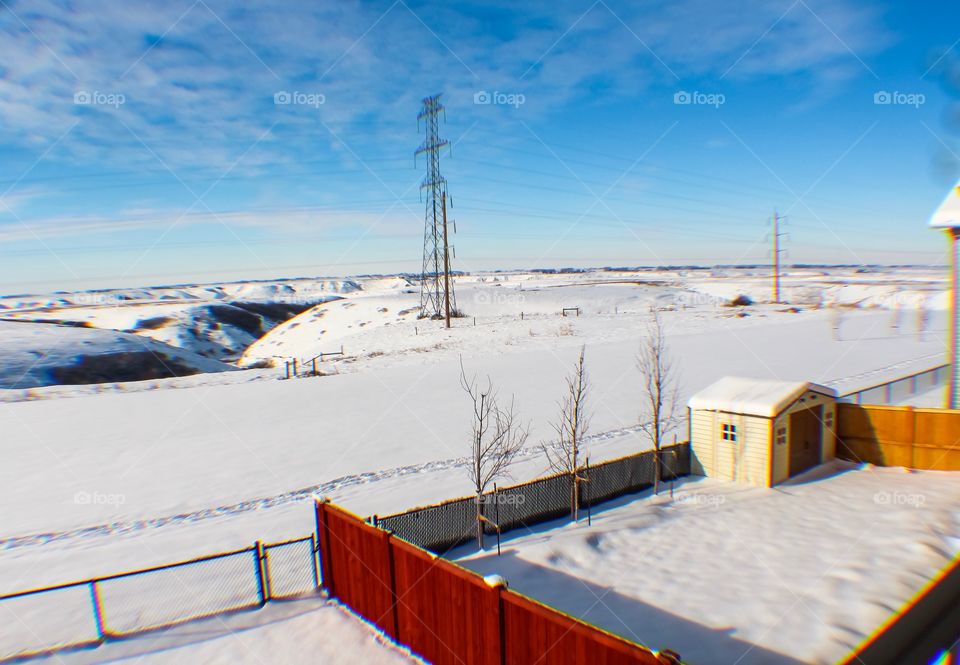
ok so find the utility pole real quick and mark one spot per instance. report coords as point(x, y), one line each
point(437, 300)
point(947, 218)
point(776, 255)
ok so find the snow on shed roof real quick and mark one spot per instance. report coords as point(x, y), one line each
point(948, 214)
point(754, 397)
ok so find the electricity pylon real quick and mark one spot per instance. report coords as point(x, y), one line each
point(436, 287)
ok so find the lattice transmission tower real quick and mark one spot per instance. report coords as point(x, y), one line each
point(437, 299)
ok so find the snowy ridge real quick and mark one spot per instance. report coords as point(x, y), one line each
point(43, 354)
point(217, 321)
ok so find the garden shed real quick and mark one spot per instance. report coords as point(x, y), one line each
point(761, 431)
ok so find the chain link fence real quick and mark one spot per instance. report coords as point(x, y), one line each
point(903, 389)
point(443, 526)
point(287, 573)
point(85, 613)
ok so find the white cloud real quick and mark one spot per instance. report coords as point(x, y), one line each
point(199, 77)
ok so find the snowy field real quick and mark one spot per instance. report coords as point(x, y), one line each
point(105, 477)
point(725, 573)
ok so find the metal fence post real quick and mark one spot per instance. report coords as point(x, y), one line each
point(496, 514)
point(588, 502)
point(324, 558)
point(314, 553)
point(97, 610)
point(262, 589)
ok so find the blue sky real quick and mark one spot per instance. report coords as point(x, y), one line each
point(143, 143)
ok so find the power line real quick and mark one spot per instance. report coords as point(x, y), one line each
point(708, 178)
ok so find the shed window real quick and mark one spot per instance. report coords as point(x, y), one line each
point(828, 420)
point(728, 432)
point(782, 436)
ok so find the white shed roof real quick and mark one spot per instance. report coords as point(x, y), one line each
point(754, 397)
point(948, 214)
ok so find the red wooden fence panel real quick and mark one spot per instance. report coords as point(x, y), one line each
point(446, 614)
point(358, 569)
point(535, 633)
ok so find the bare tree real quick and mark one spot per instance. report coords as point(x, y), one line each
point(563, 453)
point(496, 438)
point(660, 387)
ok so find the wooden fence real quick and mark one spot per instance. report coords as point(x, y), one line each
point(450, 615)
point(923, 630)
point(899, 436)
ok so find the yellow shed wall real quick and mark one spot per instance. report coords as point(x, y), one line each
point(745, 460)
point(755, 458)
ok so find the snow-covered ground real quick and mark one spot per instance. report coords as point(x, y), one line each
point(311, 630)
point(724, 573)
point(102, 478)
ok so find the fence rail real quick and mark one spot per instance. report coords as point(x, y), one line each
point(88, 612)
point(445, 525)
point(898, 390)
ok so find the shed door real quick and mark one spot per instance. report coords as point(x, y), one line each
point(806, 439)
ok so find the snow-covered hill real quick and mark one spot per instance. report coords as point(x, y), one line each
point(44, 354)
point(216, 321)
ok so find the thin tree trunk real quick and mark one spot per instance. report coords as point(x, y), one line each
point(574, 496)
point(656, 455)
point(479, 522)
